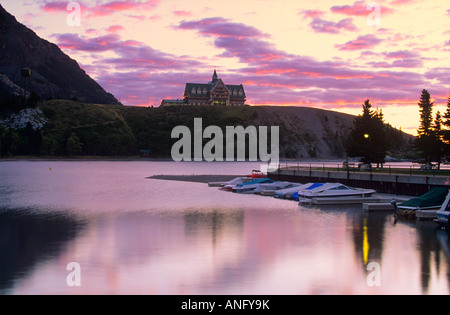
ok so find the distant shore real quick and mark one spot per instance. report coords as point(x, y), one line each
point(195, 178)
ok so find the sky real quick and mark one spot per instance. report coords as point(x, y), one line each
point(323, 54)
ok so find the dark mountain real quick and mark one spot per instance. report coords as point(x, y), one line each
point(54, 74)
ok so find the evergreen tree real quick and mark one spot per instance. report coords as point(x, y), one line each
point(446, 127)
point(368, 138)
point(426, 114)
point(425, 143)
point(438, 139)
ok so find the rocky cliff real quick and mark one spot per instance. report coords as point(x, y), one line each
point(54, 74)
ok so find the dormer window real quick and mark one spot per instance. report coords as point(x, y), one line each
point(194, 91)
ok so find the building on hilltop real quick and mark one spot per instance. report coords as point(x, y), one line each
point(214, 93)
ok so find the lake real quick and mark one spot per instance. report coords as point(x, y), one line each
point(134, 235)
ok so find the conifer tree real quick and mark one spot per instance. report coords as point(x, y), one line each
point(425, 143)
point(368, 138)
point(446, 123)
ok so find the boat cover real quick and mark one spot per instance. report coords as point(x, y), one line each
point(434, 198)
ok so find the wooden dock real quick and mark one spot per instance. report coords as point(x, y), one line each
point(378, 207)
point(394, 184)
point(346, 201)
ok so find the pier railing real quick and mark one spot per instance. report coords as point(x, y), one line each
point(411, 169)
point(406, 180)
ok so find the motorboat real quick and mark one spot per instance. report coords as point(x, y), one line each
point(286, 193)
point(333, 190)
point(270, 189)
point(444, 213)
point(292, 193)
point(305, 187)
point(249, 187)
point(257, 174)
point(235, 181)
point(430, 201)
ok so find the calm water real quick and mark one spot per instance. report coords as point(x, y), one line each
point(133, 235)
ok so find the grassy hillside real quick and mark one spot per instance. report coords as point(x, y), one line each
point(74, 128)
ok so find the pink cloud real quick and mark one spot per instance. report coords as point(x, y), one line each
point(402, 2)
point(115, 28)
point(218, 26)
point(312, 13)
point(322, 26)
point(182, 13)
point(105, 9)
point(362, 42)
point(57, 6)
point(401, 54)
point(359, 8)
point(116, 6)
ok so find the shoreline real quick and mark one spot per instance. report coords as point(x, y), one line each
point(204, 179)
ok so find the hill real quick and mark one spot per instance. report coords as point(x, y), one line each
point(54, 74)
point(72, 128)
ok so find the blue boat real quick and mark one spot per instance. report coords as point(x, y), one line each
point(309, 186)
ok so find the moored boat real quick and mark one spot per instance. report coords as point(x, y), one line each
point(444, 213)
point(235, 181)
point(333, 190)
point(248, 187)
point(270, 189)
point(431, 201)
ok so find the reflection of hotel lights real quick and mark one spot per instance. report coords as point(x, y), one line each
point(365, 242)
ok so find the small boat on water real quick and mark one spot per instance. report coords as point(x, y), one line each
point(270, 189)
point(309, 186)
point(235, 181)
point(249, 187)
point(333, 190)
point(443, 213)
point(287, 192)
point(257, 174)
point(431, 201)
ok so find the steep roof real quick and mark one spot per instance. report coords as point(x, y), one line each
point(209, 87)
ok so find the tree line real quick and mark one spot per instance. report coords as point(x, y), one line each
point(371, 138)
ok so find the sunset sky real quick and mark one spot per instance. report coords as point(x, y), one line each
point(324, 54)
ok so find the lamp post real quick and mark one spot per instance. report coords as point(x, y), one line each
point(367, 136)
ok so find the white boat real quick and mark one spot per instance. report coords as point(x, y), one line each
point(334, 190)
point(235, 181)
point(270, 189)
point(444, 212)
point(248, 187)
point(288, 192)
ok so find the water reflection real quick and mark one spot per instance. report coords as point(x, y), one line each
point(433, 247)
point(131, 235)
point(368, 235)
point(27, 238)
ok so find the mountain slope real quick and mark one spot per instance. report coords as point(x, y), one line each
point(54, 74)
point(125, 130)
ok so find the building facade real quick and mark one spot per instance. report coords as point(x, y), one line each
point(214, 93)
